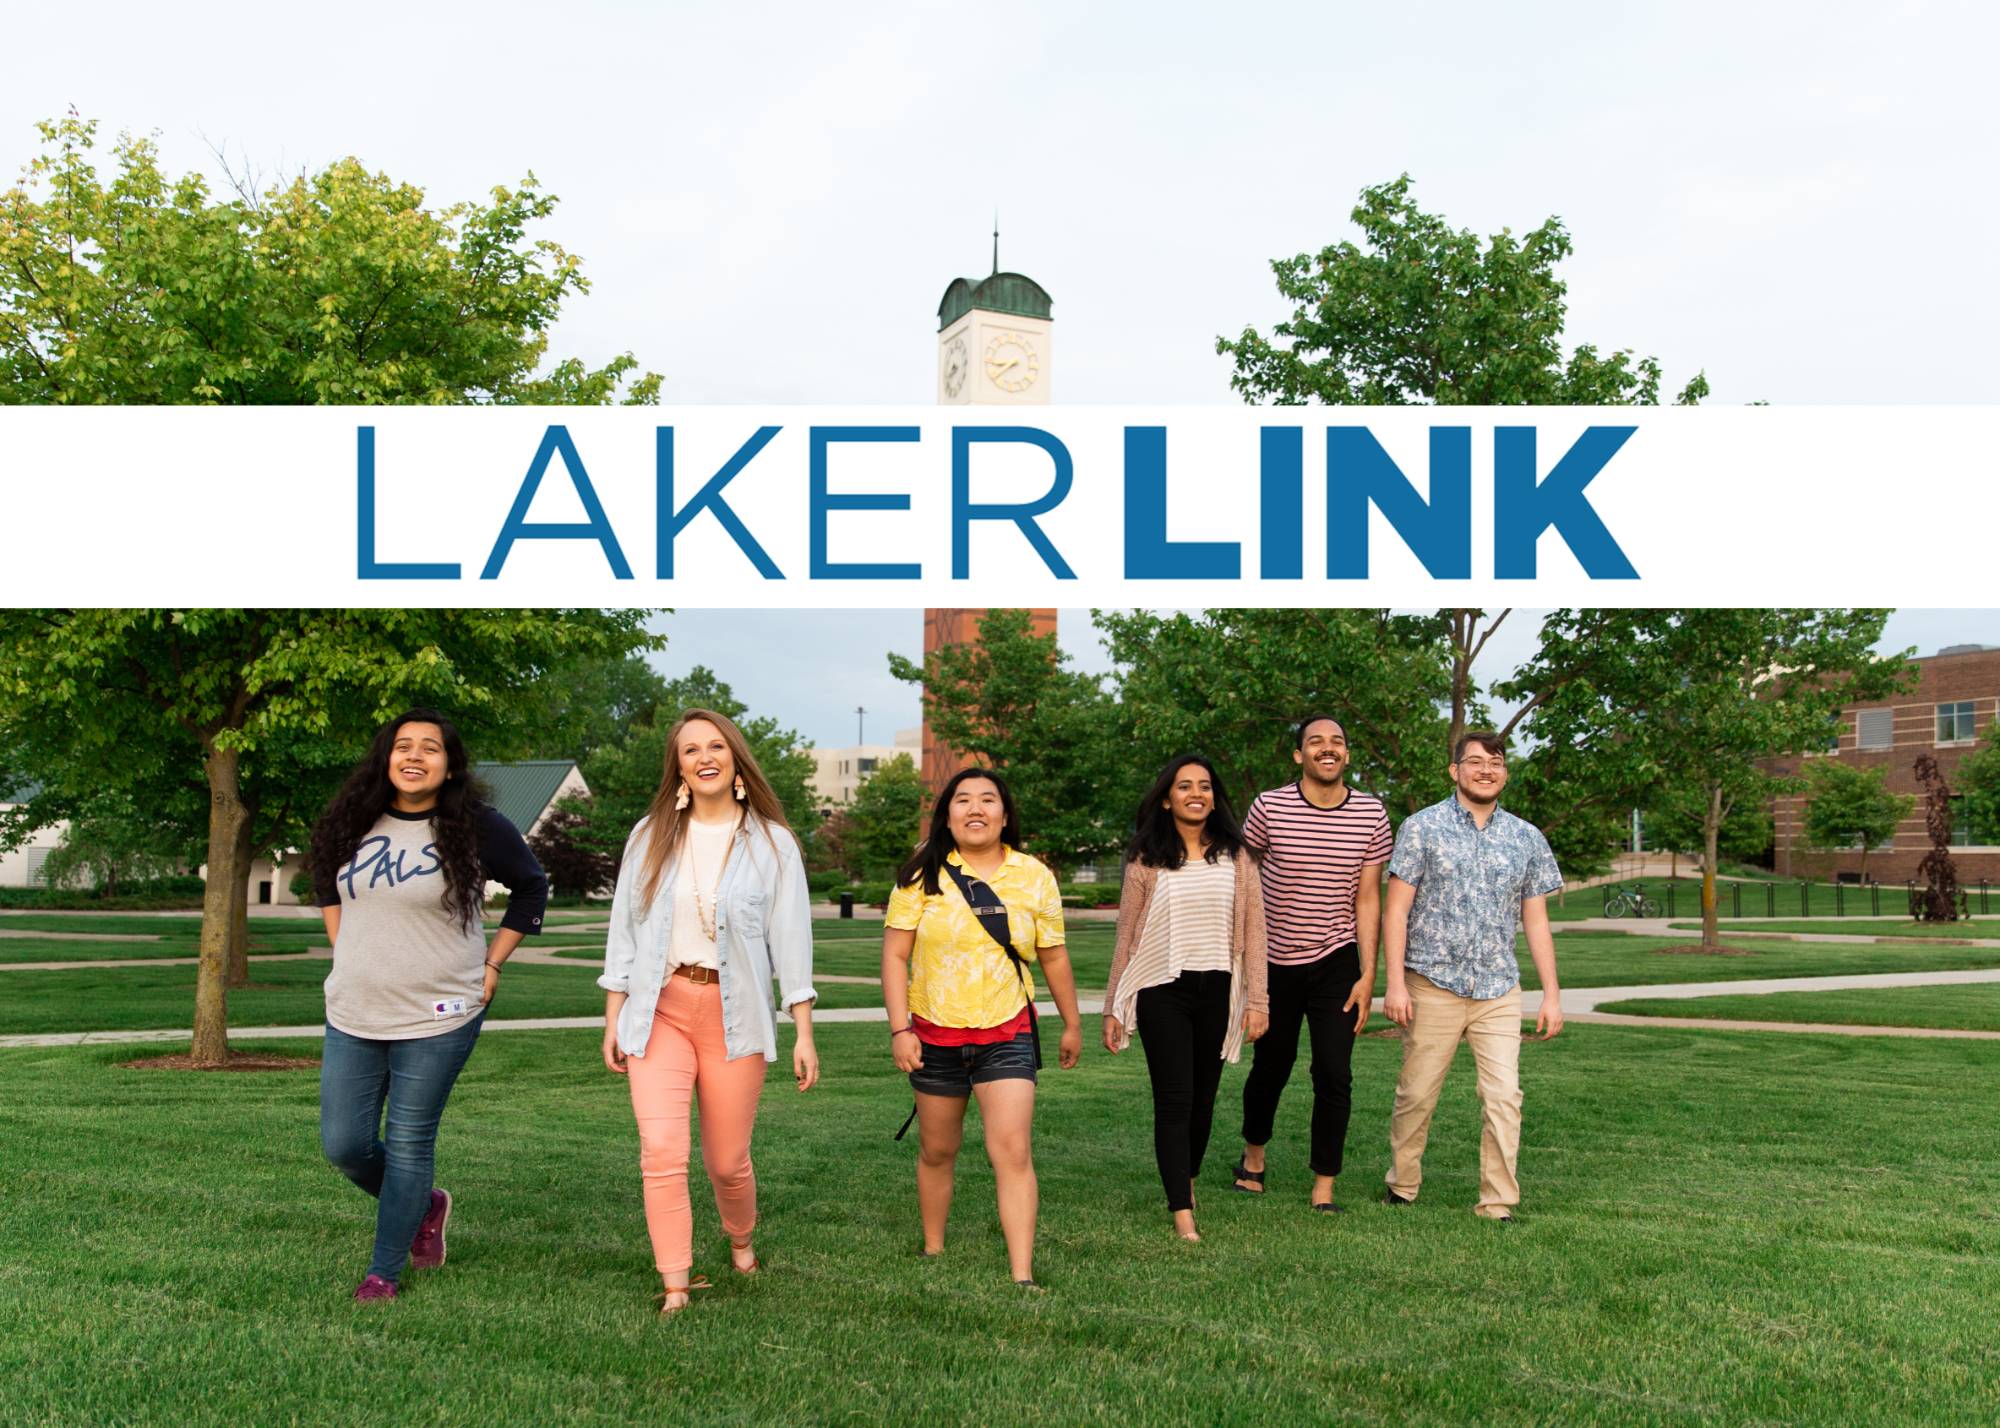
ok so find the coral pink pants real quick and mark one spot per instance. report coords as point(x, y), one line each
point(686, 1054)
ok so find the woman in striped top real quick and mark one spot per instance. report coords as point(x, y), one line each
point(1189, 965)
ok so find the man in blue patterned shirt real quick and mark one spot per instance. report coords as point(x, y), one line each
point(1464, 875)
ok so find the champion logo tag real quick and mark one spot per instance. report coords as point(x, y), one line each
point(450, 1006)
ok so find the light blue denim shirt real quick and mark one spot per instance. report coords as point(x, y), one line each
point(1470, 884)
point(763, 929)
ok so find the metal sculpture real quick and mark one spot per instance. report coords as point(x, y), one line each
point(1939, 899)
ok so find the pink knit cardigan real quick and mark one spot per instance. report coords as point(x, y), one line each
point(1249, 971)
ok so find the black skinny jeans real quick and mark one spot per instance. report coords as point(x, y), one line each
point(1182, 1024)
point(1312, 993)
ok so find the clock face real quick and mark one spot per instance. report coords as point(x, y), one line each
point(956, 363)
point(1011, 362)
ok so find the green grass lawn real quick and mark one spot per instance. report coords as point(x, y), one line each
point(1863, 927)
point(1585, 959)
point(1966, 1008)
point(1716, 1228)
point(288, 993)
point(173, 937)
point(854, 949)
point(1759, 898)
point(280, 994)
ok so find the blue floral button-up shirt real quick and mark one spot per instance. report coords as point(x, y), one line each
point(1470, 884)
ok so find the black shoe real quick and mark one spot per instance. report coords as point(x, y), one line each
point(1390, 1197)
point(1502, 1221)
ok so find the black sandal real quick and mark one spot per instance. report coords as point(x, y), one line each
point(1243, 1172)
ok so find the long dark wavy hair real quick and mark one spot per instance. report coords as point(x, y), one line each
point(927, 862)
point(368, 794)
point(1156, 838)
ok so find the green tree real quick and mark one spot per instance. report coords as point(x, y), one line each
point(593, 704)
point(97, 700)
point(1422, 312)
point(1010, 703)
point(111, 843)
point(1848, 805)
point(1231, 684)
point(575, 867)
point(337, 287)
point(1677, 821)
point(1586, 825)
point(1977, 778)
point(1697, 700)
point(624, 775)
point(886, 818)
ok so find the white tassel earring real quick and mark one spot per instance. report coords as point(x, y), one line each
point(741, 793)
point(681, 798)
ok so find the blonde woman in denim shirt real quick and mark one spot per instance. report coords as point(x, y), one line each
point(710, 908)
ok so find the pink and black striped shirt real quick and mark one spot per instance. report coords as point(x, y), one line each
point(1312, 865)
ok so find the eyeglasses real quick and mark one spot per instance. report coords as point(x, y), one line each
point(1482, 764)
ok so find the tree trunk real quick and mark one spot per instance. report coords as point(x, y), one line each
point(1711, 835)
point(1462, 625)
point(226, 815)
point(239, 911)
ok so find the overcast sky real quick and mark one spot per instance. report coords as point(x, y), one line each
point(771, 199)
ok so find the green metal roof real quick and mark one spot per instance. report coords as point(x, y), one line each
point(523, 791)
point(1013, 293)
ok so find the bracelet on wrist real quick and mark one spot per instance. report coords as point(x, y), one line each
point(896, 1031)
point(496, 966)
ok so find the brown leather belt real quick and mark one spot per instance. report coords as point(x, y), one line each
point(697, 974)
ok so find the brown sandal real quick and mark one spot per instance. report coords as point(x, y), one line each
point(667, 1311)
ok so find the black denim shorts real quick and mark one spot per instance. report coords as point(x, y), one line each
point(955, 1070)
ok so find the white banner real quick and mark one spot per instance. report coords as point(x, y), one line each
point(1065, 506)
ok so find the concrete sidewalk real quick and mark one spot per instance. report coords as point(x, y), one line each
point(1088, 1005)
point(1665, 927)
point(1579, 1004)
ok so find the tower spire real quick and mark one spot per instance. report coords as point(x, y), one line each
point(996, 240)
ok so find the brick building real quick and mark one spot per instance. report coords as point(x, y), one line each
point(1955, 700)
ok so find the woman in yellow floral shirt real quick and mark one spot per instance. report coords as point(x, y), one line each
point(961, 1018)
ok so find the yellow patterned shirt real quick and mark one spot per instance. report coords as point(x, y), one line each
point(958, 974)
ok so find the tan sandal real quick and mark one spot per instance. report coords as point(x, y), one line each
point(755, 1263)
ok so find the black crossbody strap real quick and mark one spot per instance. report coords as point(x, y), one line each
point(987, 906)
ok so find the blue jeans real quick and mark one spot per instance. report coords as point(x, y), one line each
point(357, 1077)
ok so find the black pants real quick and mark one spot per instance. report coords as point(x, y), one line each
point(1312, 993)
point(1182, 1025)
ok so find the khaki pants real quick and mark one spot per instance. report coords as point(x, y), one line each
point(1439, 1018)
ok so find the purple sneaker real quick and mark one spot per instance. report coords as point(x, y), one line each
point(427, 1249)
point(374, 1287)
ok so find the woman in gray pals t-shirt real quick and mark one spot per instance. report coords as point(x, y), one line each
point(400, 860)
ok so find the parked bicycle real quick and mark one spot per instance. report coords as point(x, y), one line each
point(1630, 902)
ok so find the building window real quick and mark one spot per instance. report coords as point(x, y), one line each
point(1954, 722)
point(1875, 729)
point(867, 765)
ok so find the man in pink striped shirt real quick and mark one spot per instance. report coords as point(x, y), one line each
point(1323, 845)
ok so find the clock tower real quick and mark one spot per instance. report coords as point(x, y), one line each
point(994, 349)
point(994, 340)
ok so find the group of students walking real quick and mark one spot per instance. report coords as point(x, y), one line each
point(1226, 935)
